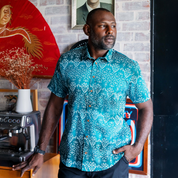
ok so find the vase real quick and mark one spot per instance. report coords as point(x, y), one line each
point(24, 104)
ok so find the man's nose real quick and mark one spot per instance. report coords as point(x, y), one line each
point(109, 29)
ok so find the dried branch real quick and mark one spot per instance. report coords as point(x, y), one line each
point(17, 67)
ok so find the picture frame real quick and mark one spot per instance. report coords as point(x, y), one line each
point(79, 11)
point(139, 164)
point(7, 95)
point(136, 166)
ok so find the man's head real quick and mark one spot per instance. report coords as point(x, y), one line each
point(101, 29)
point(5, 15)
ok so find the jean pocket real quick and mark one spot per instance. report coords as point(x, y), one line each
point(125, 160)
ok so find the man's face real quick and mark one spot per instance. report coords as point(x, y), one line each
point(103, 30)
point(5, 15)
point(92, 1)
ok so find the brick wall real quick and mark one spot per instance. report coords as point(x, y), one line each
point(133, 38)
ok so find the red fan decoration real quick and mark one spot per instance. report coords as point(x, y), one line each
point(23, 26)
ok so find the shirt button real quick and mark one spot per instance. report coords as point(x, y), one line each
point(87, 136)
point(93, 76)
point(95, 62)
point(90, 106)
point(85, 152)
point(91, 90)
point(88, 120)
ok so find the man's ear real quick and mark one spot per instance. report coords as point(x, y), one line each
point(86, 29)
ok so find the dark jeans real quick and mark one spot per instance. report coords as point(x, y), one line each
point(119, 170)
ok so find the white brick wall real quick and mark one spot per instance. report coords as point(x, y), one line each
point(133, 38)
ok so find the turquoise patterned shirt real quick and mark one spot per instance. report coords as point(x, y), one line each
point(97, 92)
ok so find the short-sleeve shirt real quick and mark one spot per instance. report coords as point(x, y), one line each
point(97, 92)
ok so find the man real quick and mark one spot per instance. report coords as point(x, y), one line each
point(96, 140)
point(89, 5)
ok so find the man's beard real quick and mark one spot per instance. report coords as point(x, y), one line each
point(101, 44)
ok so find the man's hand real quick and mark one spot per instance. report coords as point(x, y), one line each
point(34, 162)
point(130, 151)
point(145, 120)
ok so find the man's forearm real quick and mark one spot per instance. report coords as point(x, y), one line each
point(50, 120)
point(145, 120)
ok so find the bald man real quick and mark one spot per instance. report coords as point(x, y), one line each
point(97, 80)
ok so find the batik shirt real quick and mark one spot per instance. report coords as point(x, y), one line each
point(97, 92)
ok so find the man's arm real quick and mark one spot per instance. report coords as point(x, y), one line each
point(50, 120)
point(145, 120)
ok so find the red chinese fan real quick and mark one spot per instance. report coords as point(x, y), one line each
point(23, 26)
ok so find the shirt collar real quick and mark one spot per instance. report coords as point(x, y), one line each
point(108, 56)
point(89, 8)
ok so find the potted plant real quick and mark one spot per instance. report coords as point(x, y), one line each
point(17, 66)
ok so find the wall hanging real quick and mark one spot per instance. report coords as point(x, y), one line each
point(22, 26)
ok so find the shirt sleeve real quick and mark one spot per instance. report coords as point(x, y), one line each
point(138, 91)
point(57, 84)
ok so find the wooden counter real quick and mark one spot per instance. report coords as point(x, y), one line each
point(49, 169)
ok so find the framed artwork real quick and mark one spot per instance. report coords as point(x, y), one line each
point(8, 99)
point(137, 165)
point(27, 34)
point(80, 9)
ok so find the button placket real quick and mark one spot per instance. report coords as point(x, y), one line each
point(92, 82)
point(86, 149)
point(90, 106)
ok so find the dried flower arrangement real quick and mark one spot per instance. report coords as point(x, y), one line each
point(17, 67)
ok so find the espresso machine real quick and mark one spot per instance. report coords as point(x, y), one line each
point(19, 134)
